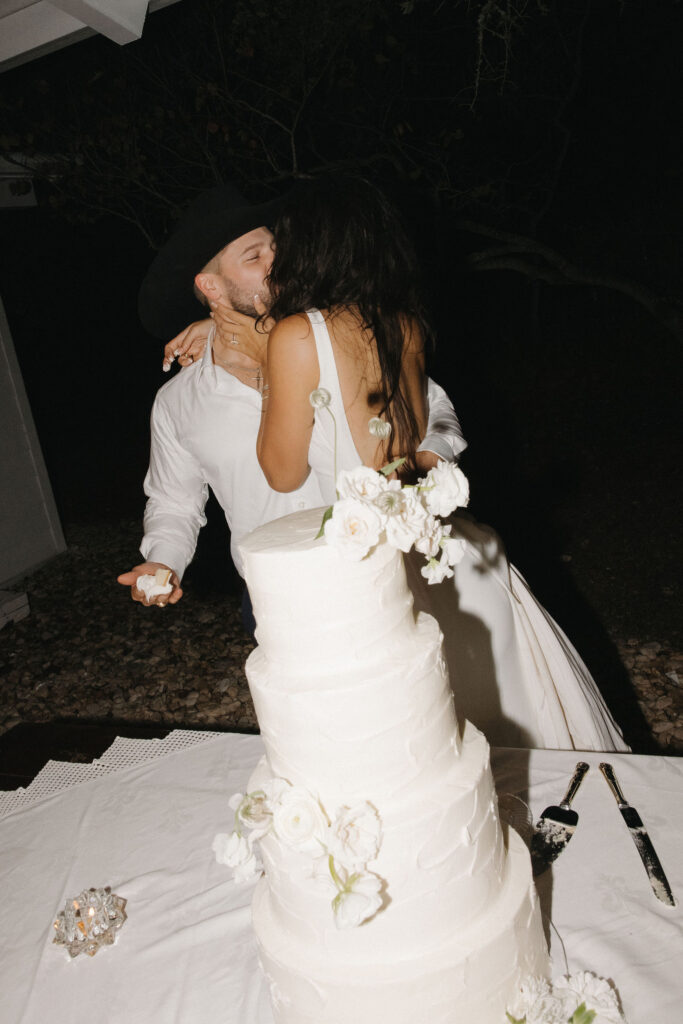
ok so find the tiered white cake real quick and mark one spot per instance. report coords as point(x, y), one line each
point(353, 701)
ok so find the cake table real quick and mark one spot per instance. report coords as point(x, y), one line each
point(142, 819)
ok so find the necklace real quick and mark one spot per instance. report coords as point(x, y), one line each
point(244, 370)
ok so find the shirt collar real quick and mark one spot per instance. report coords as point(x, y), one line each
point(207, 375)
point(207, 366)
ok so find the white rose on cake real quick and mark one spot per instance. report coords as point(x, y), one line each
point(355, 836)
point(322, 876)
point(407, 521)
point(354, 528)
point(437, 571)
point(362, 482)
point(274, 788)
point(429, 541)
point(595, 993)
point(299, 821)
point(577, 998)
point(536, 1004)
point(359, 900)
point(390, 501)
point(453, 548)
point(237, 853)
point(253, 810)
point(445, 488)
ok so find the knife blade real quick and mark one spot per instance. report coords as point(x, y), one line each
point(655, 871)
point(556, 826)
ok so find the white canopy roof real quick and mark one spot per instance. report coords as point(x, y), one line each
point(32, 28)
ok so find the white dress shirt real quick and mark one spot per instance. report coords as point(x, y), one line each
point(204, 427)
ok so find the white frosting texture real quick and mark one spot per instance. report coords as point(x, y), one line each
point(153, 586)
point(354, 703)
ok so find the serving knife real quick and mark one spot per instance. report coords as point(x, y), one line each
point(655, 871)
point(556, 826)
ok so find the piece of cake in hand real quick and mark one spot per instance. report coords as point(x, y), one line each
point(157, 585)
point(391, 890)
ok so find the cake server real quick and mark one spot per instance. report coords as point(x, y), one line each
point(556, 826)
point(655, 871)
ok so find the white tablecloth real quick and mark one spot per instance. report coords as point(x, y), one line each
point(186, 953)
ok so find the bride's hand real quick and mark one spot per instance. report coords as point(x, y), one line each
point(188, 346)
point(241, 332)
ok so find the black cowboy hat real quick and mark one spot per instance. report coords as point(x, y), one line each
point(166, 301)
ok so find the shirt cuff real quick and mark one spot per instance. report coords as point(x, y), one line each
point(167, 554)
point(442, 447)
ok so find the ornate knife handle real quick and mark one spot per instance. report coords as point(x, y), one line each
point(608, 771)
point(575, 782)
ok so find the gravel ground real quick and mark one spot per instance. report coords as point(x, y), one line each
point(88, 652)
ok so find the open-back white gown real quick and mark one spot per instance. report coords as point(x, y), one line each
point(514, 673)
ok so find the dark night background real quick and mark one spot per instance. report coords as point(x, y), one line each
point(568, 393)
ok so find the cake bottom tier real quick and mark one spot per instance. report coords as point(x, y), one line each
point(471, 978)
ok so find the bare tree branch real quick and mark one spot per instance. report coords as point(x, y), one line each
point(541, 263)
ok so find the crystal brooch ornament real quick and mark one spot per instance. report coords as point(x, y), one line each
point(89, 921)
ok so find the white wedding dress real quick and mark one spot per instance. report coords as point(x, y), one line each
point(514, 673)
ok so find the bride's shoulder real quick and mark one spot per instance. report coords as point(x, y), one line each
point(292, 328)
point(291, 344)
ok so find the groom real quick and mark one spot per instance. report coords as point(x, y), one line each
point(205, 420)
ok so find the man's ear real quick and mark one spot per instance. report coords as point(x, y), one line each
point(209, 286)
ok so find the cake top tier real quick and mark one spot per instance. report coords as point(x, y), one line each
point(292, 533)
point(312, 603)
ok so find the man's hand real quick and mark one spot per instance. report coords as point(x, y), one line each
point(129, 579)
point(424, 461)
point(188, 346)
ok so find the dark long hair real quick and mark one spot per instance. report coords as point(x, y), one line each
point(339, 242)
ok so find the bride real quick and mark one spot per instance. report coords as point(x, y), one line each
point(346, 318)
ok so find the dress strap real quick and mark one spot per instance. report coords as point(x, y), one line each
point(323, 344)
point(341, 450)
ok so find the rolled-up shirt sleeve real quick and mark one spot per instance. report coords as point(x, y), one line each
point(176, 495)
point(444, 435)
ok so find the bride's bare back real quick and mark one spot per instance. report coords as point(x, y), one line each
point(360, 380)
point(293, 372)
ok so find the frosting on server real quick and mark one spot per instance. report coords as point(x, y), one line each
point(354, 703)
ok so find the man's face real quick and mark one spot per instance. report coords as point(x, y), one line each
point(243, 266)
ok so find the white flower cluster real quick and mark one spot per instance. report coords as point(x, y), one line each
point(580, 998)
point(341, 849)
point(372, 508)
